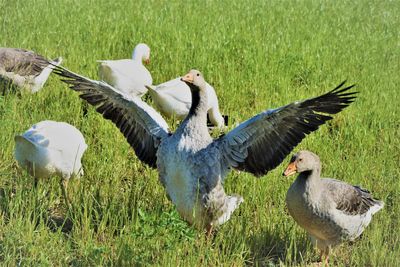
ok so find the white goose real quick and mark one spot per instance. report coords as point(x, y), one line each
point(191, 165)
point(51, 148)
point(128, 75)
point(24, 68)
point(173, 98)
point(331, 211)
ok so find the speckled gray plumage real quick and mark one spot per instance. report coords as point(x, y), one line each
point(331, 211)
point(21, 61)
point(191, 173)
point(24, 68)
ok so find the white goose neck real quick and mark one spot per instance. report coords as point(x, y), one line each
point(138, 53)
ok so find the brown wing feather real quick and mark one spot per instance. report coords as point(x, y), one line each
point(21, 61)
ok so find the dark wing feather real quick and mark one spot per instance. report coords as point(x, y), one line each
point(352, 200)
point(141, 125)
point(261, 143)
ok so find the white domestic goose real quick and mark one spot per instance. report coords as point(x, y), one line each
point(129, 76)
point(51, 148)
point(331, 211)
point(173, 98)
point(191, 165)
point(24, 68)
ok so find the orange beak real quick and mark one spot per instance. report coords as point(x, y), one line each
point(188, 78)
point(290, 170)
point(147, 61)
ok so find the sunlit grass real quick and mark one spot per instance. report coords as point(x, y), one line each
point(258, 55)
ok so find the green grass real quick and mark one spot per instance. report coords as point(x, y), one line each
point(258, 55)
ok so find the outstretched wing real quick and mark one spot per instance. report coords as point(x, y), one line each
point(141, 125)
point(261, 143)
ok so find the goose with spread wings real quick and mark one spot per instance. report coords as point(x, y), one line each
point(191, 164)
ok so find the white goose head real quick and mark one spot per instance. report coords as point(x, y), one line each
point(141, 53)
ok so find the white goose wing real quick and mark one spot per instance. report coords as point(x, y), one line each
point(261, 143)
point(141, 125)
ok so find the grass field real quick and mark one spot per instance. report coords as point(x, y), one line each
point(258, 55)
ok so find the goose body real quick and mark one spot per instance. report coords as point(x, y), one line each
point(173, 98)
point(17, 67)
point(129, 76)
point(191, 176)
point(331, 211)
point(191, 165)
point(51, 148)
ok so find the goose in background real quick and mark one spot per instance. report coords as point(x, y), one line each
point(25, 68)
point(173, 99)
point(129, 76)
point(331, 211)
point(51, 148)
point(191, 164)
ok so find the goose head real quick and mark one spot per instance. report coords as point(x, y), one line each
point(303, 161)
point(141, 53)
point(195, 80)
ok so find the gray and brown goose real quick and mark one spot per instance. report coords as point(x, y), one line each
point(191, 165)
point(331, 211)
point(25, 68)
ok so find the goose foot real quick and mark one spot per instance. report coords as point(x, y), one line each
point(325, 257)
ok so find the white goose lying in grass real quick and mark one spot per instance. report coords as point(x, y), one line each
point(24, 68)
point(51, 148)
point(128, 75)
point(173, 98)
point(191, 165)
point(331, 211)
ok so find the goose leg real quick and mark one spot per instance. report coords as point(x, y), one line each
point(209, 231)
point(325, 257)
point(64, 188)
point(31, 169)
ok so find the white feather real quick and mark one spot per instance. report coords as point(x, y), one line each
point(128, 75)
point(51, 148)
point(173, 98)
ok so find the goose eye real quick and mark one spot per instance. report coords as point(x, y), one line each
point(198, 74)
point(300, 159)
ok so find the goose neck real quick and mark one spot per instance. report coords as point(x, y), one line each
point(199, 103)
point(311, 180)
point(137, 55)
point(196, 120)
